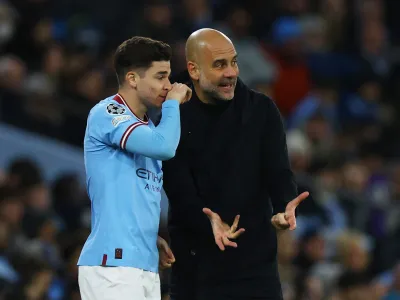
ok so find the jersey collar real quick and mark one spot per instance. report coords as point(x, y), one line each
point(122, 101)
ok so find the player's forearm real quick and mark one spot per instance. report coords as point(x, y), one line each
point(169, 129)
point(159, 143)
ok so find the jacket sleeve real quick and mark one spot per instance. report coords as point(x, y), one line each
point(186, 206)
point(280, 179)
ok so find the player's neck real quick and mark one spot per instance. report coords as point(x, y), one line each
point(138, 108)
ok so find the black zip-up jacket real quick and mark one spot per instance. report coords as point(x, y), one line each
point(232, 158)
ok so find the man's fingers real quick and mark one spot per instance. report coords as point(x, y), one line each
point(235, 224)
point(171, 256)
point(296, 201)
point(229, 243)
point(167, 250)
point(279, 221)
point(166, 261)
point(220, 244)
point(233, 233)
point(223, 241)
point(208, 212)
point(165, 265)
point(236, 234)
point(291, 220)
point(282, 222)
point(293, 225)
point(188, 94)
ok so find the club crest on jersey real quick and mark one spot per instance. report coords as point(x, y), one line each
point(115, 109)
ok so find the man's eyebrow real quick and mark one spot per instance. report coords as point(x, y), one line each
point(221, 60)
point(162, 73)
point(224, 59)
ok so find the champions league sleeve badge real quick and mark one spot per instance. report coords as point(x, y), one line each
point(115, 109)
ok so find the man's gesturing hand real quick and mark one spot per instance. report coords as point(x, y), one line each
point(222, 231)
point(288, 218)
point(166, 257)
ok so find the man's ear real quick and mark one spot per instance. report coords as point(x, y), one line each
point(132, 79)
point(193, 70)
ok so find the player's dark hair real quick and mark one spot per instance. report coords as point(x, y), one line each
point(138, 53)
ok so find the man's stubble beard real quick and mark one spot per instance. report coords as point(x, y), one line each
point(211, 91)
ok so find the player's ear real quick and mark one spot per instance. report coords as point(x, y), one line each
point(132, 79)
point(193, 70)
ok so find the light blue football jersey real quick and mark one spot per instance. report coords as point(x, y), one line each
point(123, 161)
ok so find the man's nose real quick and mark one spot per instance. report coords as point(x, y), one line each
point(231, 72)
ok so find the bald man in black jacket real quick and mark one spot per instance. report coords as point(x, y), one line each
point(231, 163)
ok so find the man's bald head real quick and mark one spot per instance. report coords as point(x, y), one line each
point(211, 61)
point(202, 39)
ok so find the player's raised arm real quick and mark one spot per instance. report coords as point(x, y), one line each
point(114, 125)
point(160, 142)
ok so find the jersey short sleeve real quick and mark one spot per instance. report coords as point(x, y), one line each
point(112, 124)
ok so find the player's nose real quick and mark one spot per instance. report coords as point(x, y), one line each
point(168, 85)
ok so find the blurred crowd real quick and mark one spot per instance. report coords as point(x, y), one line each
point(42, 229)
point(333, 68)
